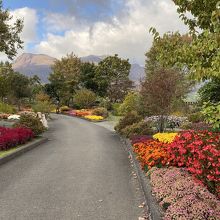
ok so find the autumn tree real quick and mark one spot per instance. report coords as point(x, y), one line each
point(112, 77)
point(10, 41)
point(161, 89)
point(65, 78)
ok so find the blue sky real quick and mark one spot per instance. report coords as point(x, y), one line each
point(99, 27)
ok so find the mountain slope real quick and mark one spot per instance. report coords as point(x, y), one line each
point(40, 64)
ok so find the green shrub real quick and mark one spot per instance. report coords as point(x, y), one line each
point(84, 98)
point(100, 112)
point(31, 122)
point(196, 117)
point(64, 109)
point(131, 103)
point(116, 109)
point(105, 103)
point(5, 108)
point(140, 128)
point(43, 106)
point(129, 119)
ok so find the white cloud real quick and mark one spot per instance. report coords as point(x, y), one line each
point(126, 35)
point(29, 33)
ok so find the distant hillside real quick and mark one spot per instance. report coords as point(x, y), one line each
point(40, 64)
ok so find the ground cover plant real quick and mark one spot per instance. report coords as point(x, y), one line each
point(12, 137)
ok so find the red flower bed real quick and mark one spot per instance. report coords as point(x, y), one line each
point(12, 137)
point(199, 152)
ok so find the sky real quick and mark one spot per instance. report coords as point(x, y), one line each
point(97, 27)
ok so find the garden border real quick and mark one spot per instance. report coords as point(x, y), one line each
point(23, 149)
point(155, 212)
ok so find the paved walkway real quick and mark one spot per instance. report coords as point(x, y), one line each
point(82, 173)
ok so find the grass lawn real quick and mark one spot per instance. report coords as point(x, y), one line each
point(6, 152)
point(114, 118)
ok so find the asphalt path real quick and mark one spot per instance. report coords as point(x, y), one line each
point(81, 173)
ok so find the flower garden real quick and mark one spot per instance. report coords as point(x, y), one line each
point(184, 170)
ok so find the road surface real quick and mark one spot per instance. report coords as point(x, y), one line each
point(82, 173)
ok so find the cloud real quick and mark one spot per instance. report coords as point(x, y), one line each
point(29, 33)
point(126, 34)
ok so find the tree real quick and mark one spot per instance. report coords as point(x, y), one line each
point(161, 89)
point(200, 57)
point(20, 87)
point(87, 76)
point(5, 73)
point(65, 78)
point(10, 41)
point(112, 77)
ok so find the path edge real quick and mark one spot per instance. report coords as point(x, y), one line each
point(154, 210)
point(23, 149)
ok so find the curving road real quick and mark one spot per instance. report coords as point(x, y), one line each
point(82, 173)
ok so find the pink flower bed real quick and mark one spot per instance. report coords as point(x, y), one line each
point(12, 137)
point(181, 196)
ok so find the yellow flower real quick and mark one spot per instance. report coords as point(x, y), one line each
point(165, 137)
point(94, 117)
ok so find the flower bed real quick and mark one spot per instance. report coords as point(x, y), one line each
point(165, 137)
point(94, 117)
point(181, 196)
point(12, 137)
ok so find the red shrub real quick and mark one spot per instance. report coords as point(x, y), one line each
point(12, 137)
point(199, 152)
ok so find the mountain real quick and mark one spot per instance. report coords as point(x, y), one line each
point(40, 64)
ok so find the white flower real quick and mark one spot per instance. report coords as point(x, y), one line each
point(14, 117)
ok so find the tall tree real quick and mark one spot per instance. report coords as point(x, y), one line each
point(65, 77)
point(112, 76)
point(10, 41)
point(5, 73)
point(87, 76)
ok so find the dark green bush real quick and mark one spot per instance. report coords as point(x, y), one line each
point(100, 112)
point(129, 119)
point(32, 122)
point(196, 117)
point(140, 128)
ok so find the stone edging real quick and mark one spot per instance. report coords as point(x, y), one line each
point(155, 212)
point(20, 150)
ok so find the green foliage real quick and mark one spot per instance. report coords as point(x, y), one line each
point(129, 119)
point(100, 112)
point(196, 117)
point(210, 91)
point(104, 102)
point(131, 103)
point(64, 108)
point(43, 106)
point(5, 108)
point(64, 78)
point(32, 122)
point(84, 98)
point(116, 109)
point(112, 78)
point(211, 112)
point(140, 128)
point(87, 77)
point(10, 30)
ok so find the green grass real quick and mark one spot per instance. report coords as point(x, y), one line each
point(114, 118)
point(7, 152)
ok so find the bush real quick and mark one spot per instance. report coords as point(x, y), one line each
point(196, 117)
point(5, 108)
point(128, 119)
point(43, 106)
point(196, 126)
point(64, 109)
point(199, 152)
point(140, 128)
point(105, 103)
point(131, 103)
point(84, 98)
point(100, 112)
point(31, 122)
point(12, 137)
point(116, 109)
